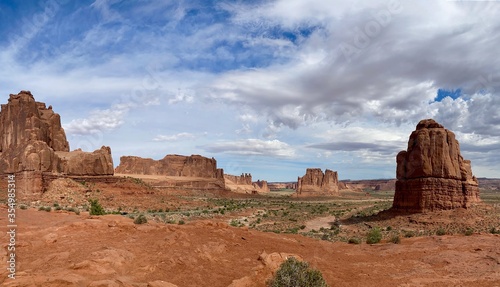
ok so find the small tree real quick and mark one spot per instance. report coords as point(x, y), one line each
point(374, 236)
point(96, 208)
point(294, 273)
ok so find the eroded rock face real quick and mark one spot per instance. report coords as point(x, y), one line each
point(32, 139)
point(431, 173)
point(261, 186)
point(243, 179)
point(171, 165)
point(78, 162)
point(317, 183)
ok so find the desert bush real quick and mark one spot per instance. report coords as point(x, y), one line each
point(181, 222)
point(440, 231)
point(374, 236)
point(469, 231)
point(409, 234)
point(493, 230)
point(395, 239)
point(141, 219)
point(96, 208)
point(354, 240)
point(294, 273)
point(22, 206)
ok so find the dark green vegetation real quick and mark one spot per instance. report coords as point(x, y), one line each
point(96, 208)
point(140, 219)
point(294, 273)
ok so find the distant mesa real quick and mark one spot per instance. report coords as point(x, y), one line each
point(201, 171)
point(243, 179)
point(317, 183)
point(244, 184)
point(32, 139)
point(171, 165)
point(431, 173)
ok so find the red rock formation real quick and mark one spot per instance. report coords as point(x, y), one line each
point(261, 186)
point(277, 186)
point(317, 183)
point(171, 165)
point(243, 179)
point(431, 173)
point(32, 139)
point(78, 162)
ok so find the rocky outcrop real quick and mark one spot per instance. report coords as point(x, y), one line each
point(32, 139)
point(78, 162)
point(171, 165)
point(243, 179)
point(317, 183)
point(278, 186)
point(432, 174)
point(261, 186)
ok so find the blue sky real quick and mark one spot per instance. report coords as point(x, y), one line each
point(265, 87)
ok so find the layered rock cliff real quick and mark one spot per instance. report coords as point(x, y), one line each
point(32, 139)
point(317, 183)
point(261, 186)
point(171, 165)
point(243, 179)
point(432, 174)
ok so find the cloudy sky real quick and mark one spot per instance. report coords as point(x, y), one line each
point(266, 87)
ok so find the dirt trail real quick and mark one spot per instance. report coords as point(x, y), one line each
point(60, 249)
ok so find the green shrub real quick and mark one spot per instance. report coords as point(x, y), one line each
point(181, 222)
point(493, 230)
point(354, 240)
point(141, 219)
point(96, 208)
point(409, 234)
point(395, 239)
point(440, 231)
point(294, 273)
point(22, 206)
point(374, 236)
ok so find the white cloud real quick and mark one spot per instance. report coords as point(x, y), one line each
point(252, 147)
point(272, 70)
point(176, 137)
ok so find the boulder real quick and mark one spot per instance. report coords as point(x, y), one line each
point(317, 183)
point(432, 174)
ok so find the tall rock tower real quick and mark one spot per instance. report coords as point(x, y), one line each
point(33, 140)
point(317, 183)
point(431, 173)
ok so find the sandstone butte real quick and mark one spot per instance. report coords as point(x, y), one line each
point(171, 165)
point(244, 184)
point(317, 183)
point(32, 139)
point(432, 174)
